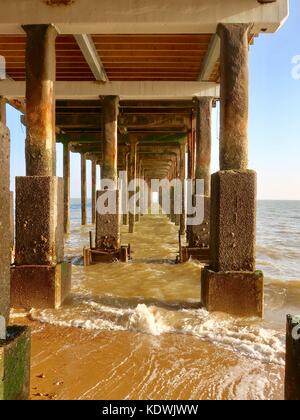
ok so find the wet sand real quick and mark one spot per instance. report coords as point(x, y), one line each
point(135, 331)
point(72, 363)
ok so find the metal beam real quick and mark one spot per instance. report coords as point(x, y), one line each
point(87, 46)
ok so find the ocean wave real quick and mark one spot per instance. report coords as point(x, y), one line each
point(245, 337)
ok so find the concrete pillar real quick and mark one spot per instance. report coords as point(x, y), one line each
point(234, 96)
point(66, 175)
point(231, 284)
point(110, 141)
point(83, 190)
point(203, 141)
point(40, 100)
point(108, 225)
point(292, 364)
point(125, 215)
point(199, 235)
point(138, 176)
point(40, 277)
point(94, 181)
point(3, 110)
point(5, 226)
point(15, 341)
point(132, 175)
point(176, 175)
point(182, 178)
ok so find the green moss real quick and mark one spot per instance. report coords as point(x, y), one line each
point(15, 365)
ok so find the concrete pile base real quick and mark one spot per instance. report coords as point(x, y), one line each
point(39, 286)
point(236, 293)
point(15, 364)
point(231, 283)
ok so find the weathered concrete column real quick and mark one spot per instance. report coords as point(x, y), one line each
point(110, 143)
point(126, 168)
point(40, 100)
point(138, 176)
point(234, 96)
point(292, 363)
point(203, 141)
point(5, 227)
point(176, 175)
point(40, 277)
point(182, 178)
point(14, 341)
point(83, 190)
point(66, 175)
point(108, 225)
point(132, 175)
point(94, 181)
point(198, 235)
point(3, 110)
point(231, 284)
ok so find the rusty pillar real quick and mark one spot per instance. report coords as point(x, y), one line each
point(40, 277)
point(231, 284)
point(66, 175)
point(110, 138)
point(292, 364)
point(203, 141)
point(182, 175)
point(40, 100)
point(108, 225)
point(94, 180)
point(3, 110)
point(234, 96)
point(125, 198)
point(139, 174)
point(132, 176)
point(5, 227)
point(198, 235)
point(83, 190)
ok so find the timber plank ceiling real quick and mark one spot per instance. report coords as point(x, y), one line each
point(124, 57)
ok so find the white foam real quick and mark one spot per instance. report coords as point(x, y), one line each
point(149, 320)
point(239, 335)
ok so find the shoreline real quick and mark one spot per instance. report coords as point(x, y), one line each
point(73, 363)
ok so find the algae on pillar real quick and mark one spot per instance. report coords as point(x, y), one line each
point(231, 283)
point(40, 277)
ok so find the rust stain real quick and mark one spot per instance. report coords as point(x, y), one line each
point(59, 2)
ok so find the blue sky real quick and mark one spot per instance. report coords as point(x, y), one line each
point(274, 121)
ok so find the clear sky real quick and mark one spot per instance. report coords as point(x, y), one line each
point(274, 123)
